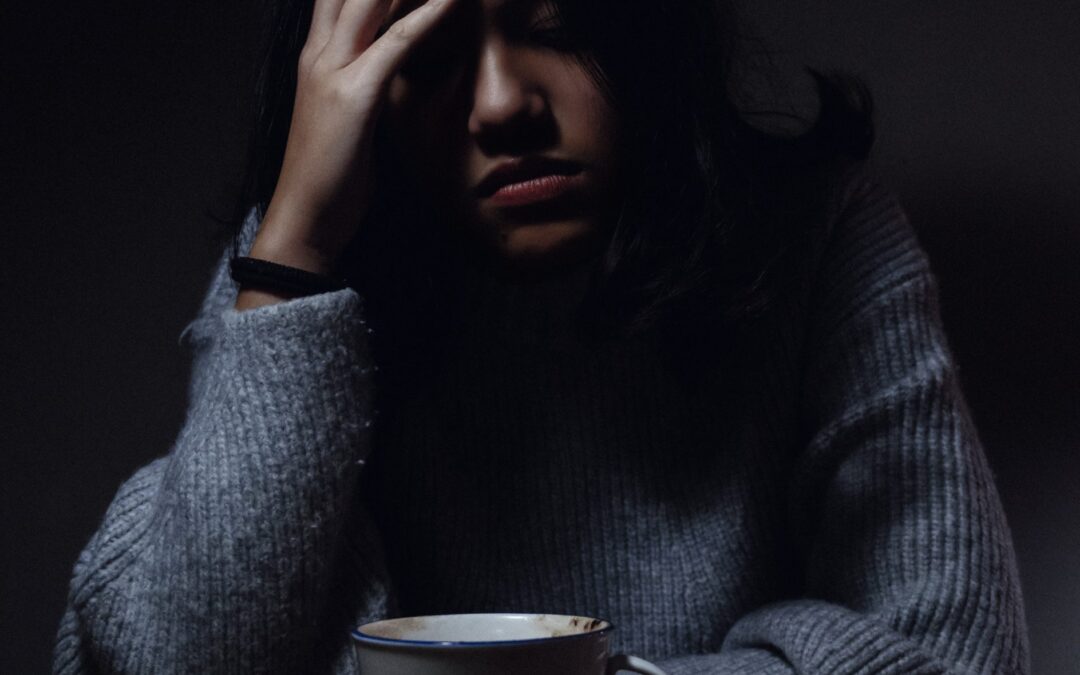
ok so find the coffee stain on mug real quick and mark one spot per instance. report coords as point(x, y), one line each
point(577, 625)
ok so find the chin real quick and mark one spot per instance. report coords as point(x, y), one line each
point(537, 251)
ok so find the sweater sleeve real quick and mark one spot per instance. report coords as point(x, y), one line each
point(226, 554)
point(907, 560)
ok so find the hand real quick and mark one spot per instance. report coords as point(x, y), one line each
point(326, 177)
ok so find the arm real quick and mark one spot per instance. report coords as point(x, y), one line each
point(908, 561)
point(225, 555)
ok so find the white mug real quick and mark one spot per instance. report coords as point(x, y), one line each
point(491, 644)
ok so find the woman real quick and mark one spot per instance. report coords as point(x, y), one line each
point(603, 348)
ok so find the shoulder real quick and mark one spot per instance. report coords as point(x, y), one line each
point(869, 244)
point(860, 203)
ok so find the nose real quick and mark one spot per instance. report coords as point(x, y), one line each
point(504, 97)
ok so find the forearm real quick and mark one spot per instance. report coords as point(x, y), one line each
point(907, 564)
point(813, 637)
point(220, 556)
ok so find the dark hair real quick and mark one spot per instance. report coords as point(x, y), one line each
point(717, 209)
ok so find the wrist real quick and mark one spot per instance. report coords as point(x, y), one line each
point(293, 253)
point(292, 238)
point(263, 282)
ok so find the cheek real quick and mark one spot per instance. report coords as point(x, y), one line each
point(590, 129)
point(587, 119)
point(602, 127)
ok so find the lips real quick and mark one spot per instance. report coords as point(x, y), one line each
point(524, 169)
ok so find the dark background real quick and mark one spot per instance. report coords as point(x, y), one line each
point(126, 134)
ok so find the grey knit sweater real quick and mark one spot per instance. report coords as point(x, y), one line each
point(845, 521)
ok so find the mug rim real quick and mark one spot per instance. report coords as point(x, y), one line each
point(375, 639)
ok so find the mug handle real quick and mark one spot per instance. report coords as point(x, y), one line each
point(633, 664)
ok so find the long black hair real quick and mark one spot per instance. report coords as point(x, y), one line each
point(717, 210)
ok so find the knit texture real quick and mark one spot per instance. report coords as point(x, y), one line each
point(844, 520)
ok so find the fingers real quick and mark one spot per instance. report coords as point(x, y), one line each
point(356, 26)
point(387, 53)
point(323, 18)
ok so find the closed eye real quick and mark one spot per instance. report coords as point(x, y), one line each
point(555, 37)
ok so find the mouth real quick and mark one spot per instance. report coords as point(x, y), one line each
point(528, 179)
point(535, 190)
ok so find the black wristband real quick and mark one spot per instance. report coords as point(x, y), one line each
point(273, 276)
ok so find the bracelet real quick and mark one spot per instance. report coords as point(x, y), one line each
point(274, 276)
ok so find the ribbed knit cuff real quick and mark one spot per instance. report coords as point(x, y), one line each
point(298, 375)
point(336, 314)
point(826, 638)
point(742, 661)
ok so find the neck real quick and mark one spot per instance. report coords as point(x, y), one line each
point(536, 309)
